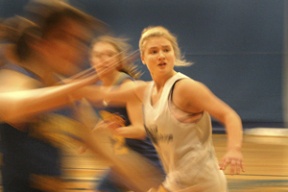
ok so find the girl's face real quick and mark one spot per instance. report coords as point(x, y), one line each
point(158, 55)
point(65, 48)
point(103, 56)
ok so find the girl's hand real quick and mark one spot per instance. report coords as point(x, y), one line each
point(234, 158)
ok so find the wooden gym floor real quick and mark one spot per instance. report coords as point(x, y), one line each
point(266, 166)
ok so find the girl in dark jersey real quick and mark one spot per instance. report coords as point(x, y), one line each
point(107, 51)
point(50, 43)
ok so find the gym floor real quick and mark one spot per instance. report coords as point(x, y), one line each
point(265, 161)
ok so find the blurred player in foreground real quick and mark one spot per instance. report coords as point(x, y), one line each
point(49, 43)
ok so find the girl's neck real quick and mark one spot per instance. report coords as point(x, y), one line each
point(160, 81)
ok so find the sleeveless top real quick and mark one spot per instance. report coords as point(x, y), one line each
point(143, 147)
point(186, 149)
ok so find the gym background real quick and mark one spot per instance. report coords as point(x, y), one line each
point(238, 47)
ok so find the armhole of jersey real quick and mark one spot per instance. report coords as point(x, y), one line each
point(172, 90)
point(171, 96)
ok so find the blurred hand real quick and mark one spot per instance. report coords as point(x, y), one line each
point(234, 159)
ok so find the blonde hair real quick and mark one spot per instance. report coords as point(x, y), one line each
point(123, 49)
point(160, 31)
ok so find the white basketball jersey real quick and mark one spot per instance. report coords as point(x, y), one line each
point(186, 149)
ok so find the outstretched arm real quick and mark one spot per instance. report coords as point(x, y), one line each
point(119, 94)
point(18, 105)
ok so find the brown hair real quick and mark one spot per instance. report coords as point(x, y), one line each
point(42, 16)
point(124, 51)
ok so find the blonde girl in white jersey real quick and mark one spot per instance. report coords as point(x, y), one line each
point(176, 115)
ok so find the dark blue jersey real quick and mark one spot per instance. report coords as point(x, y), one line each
point(25, 156)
